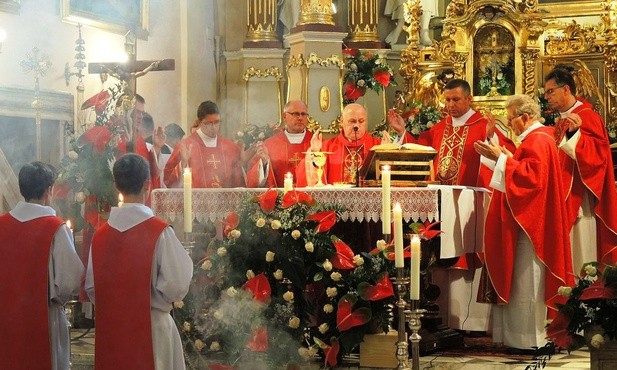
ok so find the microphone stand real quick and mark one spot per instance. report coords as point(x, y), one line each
point(355, 133)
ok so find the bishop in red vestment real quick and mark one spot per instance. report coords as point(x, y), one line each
point(39, 272)
point(587, 170)
point(281, 153)
point(527, 249)
point(215, 161)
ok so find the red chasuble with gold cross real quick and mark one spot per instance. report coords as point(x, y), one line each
point(122, 270)
point(217, 167)
point(284, 158)
point(25, 248)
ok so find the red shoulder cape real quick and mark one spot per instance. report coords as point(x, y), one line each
point(534, 204)
point(122, 269)
point(24, 319)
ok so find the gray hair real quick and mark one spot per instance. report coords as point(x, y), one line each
point(523, 104)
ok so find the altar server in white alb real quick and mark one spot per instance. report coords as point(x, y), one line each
point(137, 269)
point(39, 272)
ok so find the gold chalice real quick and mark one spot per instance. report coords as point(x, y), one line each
point(319, 158)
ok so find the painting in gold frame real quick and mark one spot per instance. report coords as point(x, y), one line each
point(561, 8)
point(118, 16)
point(9, 6)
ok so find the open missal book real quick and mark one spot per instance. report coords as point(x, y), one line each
point(410, 165)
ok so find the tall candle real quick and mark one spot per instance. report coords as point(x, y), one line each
point(288, 183)
point(385, 200)
point(416, 256)
point(397, 214)
point(188, 201)
point(120, 200)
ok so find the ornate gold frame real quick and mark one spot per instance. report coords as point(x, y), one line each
point(9, 6)
point(571, 8)
point(75, 16)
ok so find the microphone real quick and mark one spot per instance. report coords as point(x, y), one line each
point(355, 133)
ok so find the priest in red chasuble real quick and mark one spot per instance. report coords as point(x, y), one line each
point(137, 269)
point(526, 243)
point(281, 153)
point(39, 272)
point(215, 160)
point(587, 170)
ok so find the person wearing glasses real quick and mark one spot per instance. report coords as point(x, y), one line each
point(526, 243)
point(214, 160)
point(281, 153)
point(587, 170)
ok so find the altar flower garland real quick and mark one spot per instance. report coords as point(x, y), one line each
point(591, 302)
point(285, 290)
point(365, 70)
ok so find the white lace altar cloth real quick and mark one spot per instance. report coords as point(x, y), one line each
point(462, 222)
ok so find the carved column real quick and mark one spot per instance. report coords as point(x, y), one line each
point(412, 11)
point(261, 22)
point(316, 12)
point(459, 58)
point(363, 19)
point(529, 56)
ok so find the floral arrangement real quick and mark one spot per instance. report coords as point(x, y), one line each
point(548, 113)
point(281, 289)
point(85, 173)
point(251, 134)
point(423, 119)
point(365, 70)
point(592, 302)
point(611, 127)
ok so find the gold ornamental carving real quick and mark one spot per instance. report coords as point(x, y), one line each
point(316, 12)
point(363, 16)
point(324, 99)
point(575, 40)
point(262, 73)
point(261, 20)
point(412, 12)
point(530, 57)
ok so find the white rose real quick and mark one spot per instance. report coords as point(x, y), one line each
point(597, 340)
point(288, 296)
point(207, 265)
point(261, 222)
point(361, 83)
point(80, 197)
point(336, 276)
point(353, 67)
point(275, 224)
point(309, 247)
point(215, 346)
point(312, 351)
point(218, 315)
point(323, 328)
point(294, 322)
point(235, 233)
point(381, 245)
point(240, 134)
point(250, 274)
point(296, 234)
point(261, 136)
point(278, 274)
point(221, 251)
point(612, 134)
point(331, 292)
point(199, 345)
point(430, 124)
point(378, 61)
point(327, 265)
point(358, 260)
point(564, 291)
point(328, 308)
point(73, 155)
point(304, 353)
point(591, 270)
point(231, 291)
point(270, 256)
point(186, 326)
point(179, 304)
point(415, 131)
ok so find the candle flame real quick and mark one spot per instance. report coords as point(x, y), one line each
point(385, 168)
point(288, 175)
point(120, 198)
point(187, 170)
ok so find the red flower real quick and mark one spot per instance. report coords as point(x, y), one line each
point(383, 77)
point(343, 260)
point(598, 290)
point(267, 200)
point(331, 351)
point(353, 92)
point(98, 101)
point(350, 52)
point(231, 222)
point(557, 332)
point(383, 289)
point(347, 318)
point(98, 136)
point(325, 219)
point(259, 341)
point(294, 197)
point(260, 287)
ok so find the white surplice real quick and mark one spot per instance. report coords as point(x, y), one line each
point(172, 270)
point(64, 276)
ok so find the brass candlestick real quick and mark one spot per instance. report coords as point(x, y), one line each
point(402, 350)
point(413, 316)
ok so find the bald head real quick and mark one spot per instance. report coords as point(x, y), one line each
point(354, 115)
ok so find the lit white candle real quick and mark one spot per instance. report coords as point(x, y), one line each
point(288, 183)
point(70, 226)
point(188, 201)
point(416, 256)
point(120, 200)
point(397, 214)
point(385, 201)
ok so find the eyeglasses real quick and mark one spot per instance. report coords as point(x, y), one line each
point(510, 119)
point(552, 91)
point(298, 114)
point(216, 123)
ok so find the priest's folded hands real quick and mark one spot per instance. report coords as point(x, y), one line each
point(490, 150)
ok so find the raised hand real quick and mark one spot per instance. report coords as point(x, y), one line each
point(490, 126)
point(396, 122)
point(158, 138)
point(262, 152)
point(185, 153)
point(488, 150)
point(574, 122)
point(316, 141)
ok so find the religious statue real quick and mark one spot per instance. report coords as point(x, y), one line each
point(394, 9)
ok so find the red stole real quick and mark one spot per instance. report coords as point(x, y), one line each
point(593, 170)
point(346, 157)
point(122, 268)
point(534, 204)
point(284, 158)
point(24, 321)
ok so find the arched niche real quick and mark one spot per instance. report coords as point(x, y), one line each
point(494, 63)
